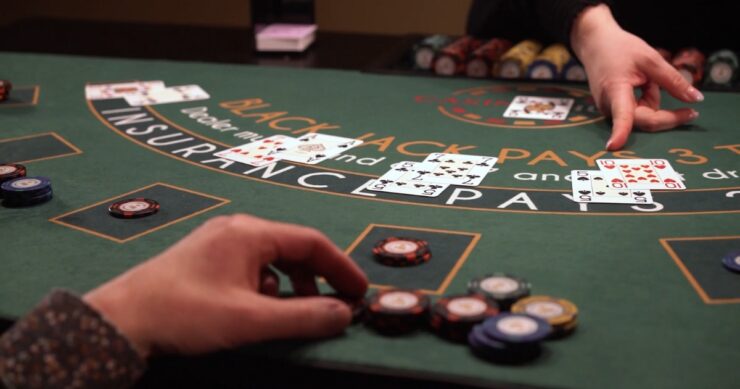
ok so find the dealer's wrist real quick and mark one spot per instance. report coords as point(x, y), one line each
point(591, 29)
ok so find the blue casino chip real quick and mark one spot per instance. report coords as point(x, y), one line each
point(731, 261)
point(25, 187)
point(491, 349)
point(516, 328)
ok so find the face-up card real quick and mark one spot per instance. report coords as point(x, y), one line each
point(261, 152)
point(404, 179)
point(640, 174)
point(533, 107)
point(315, 148)
point(120, 90)
point(173, 94)
point(456, 169)
point(590, 186)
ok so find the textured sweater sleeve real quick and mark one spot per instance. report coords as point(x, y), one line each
point(64, 343)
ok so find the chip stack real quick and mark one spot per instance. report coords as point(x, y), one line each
point(509, 338)
point(722, 69)
point(5, 88)
point(26, 191)
point(561, 314)
point(574, 71)
point(452, 58)
point(549, 64)
point(515, 61)
point(731, 261)
point(453, 317)
point(10, 171)
point(133, 208)
point(401, 251)
point(504, 289)
point(397, 311)
point(425, 50)
point(690, 63)
point(483, 58)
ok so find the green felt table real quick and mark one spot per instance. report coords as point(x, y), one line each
point(657, 309)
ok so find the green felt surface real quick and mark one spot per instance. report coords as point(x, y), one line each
point(642, 322)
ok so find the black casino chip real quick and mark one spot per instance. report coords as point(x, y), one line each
point(452, 317)
point(133, 208)
point(397, 311)
point(402, 251)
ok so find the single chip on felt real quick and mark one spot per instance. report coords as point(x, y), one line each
point(133, 208)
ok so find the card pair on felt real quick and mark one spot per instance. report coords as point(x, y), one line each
point(140, 93)
point(624, 181)
point(432, 176)
point(309, 149)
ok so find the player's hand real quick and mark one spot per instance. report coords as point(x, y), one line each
point(213, 289)
point(616, 62)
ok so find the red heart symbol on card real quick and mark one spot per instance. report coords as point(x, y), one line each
point(632, 181)
point(642, 178)
point(652, 176)
point(617, 181)
point(269, 158)
point(608, 166)
point(268, 141)
point(648, 170)
point(626, 170)
point(636, 168)
point(655, 181)
point(659, 166)
point(629, 175)
point(669, 180)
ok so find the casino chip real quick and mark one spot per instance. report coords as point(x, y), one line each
point(133, 208)
point(453, 317)
point(561, 314)
point(10, 171)
point(722, 69)
point(494, 350)
point(397, 311)
point(401, 251)
point(517, 328)
point(5, 88)
point(502, 288)
point(26, 191)
point(731, 261)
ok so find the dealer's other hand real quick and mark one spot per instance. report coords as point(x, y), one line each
point(616, 62)
point(214, 290)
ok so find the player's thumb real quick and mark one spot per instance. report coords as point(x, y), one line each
point(304, 317)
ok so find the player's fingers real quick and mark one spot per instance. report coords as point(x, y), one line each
point(269, 282)
point(304, 284)
point(650, 96)
point(301, 317)
point(621, 101)
point(298, 246)
point(647, 119)
point(666, 76)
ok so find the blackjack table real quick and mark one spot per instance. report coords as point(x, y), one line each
point(656, 306)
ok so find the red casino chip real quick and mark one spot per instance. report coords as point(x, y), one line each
point(9, 171)
point(397, 311)
point(401, 251)
point(453, 317)
point(133, 208)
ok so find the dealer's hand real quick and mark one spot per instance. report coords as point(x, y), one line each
point(213, 289)
point(616, 62)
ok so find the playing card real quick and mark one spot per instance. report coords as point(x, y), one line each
point(533, 107)
point(315, 148)
point(456, 169)
point(590, 186)
point(640, 174)
point(173, 94)
point(261, 152)
point(404, 179)
point(120, 90)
